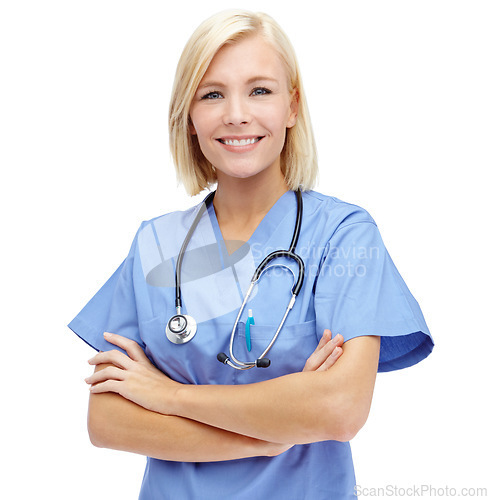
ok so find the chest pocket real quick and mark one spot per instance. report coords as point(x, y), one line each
point(196, 361)
point(293, 346)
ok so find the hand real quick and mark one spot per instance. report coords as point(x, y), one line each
point(326, 354)
point(324, 357)
point(132, 376)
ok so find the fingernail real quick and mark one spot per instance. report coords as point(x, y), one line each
point(107, 335)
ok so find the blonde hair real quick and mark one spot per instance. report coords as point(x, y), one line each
point(298, 157)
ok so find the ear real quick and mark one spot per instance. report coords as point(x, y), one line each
point(292, 119)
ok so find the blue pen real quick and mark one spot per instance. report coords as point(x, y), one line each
point(249, 322)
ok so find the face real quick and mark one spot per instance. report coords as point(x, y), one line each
point(242, 108)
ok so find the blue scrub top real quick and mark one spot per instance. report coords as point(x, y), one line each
point(351, 287)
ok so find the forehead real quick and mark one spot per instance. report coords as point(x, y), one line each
point(247, 58)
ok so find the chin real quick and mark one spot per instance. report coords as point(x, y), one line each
point(241, 174)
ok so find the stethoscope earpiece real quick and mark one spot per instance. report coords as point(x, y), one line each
point(263, 362)
point(260, 362)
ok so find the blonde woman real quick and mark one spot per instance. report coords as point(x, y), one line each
point(232, 390)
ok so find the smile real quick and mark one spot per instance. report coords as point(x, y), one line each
point(241, 142)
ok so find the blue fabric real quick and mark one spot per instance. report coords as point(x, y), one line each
point(351, 286)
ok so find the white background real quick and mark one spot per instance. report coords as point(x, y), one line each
point(398, 96)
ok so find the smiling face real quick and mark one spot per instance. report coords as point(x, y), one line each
point(242, 108)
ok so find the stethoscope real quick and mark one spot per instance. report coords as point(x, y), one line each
point(181, 328)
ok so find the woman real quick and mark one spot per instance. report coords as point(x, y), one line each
point(238, 119)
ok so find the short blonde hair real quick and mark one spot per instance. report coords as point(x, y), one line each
point(298, 157)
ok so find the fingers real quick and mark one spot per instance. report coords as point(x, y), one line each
point(325, 338)
point(109, 373)
point(107, 386)
point(113, 357)
point(330, 361)
point(312, 360)
point(322, 357)
point(132, 348)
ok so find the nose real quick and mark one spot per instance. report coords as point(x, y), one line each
point(236, 111)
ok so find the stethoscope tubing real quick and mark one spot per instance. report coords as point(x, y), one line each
point(262, 268)
point(178, 337)
point(246, 365)
point(283, 253)
point(206, 202)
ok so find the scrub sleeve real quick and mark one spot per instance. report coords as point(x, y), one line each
point(112, 309)
point(359, 291)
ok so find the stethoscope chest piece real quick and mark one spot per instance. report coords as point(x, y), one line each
point(181, 328)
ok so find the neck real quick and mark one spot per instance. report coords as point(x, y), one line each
point(241, 204)
point(242, 200)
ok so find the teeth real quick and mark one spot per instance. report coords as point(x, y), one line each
point(242, 142)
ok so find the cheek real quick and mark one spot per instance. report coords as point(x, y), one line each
point(203, 124)
point(277, 119)
point(278, 127)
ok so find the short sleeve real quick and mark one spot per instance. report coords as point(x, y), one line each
point(359, 291)
point(112, 309)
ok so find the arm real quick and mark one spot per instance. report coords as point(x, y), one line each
point(298, 408)
point(118, 423)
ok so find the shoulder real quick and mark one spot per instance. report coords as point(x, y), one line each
point(336, 214)
point(164, 233)
point(175, 217)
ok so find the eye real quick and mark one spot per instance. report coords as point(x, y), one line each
point(260, 91)
point(212, 95)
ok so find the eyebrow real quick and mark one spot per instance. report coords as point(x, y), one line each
point(252, 80)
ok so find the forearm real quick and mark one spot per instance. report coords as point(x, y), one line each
point(284, 409)
point(117, 423)
point(329, 402)
point(297, 408)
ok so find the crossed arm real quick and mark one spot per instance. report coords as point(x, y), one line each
point(135, 407)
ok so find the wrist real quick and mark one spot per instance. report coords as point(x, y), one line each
point(165, 396)
point(177, 400)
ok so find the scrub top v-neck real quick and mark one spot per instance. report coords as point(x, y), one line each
point(269, 224)
point(282, 211)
